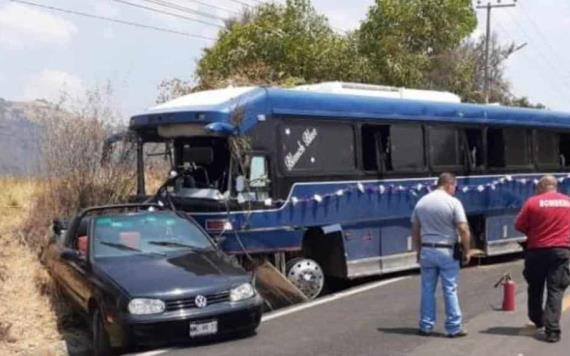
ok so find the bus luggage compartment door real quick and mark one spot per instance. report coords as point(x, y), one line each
point(501, 236)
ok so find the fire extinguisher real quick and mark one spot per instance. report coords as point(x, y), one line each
point(509, 292)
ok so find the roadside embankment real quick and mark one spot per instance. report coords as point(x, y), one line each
point(30, 312)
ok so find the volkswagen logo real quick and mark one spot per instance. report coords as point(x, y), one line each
point(200, 301)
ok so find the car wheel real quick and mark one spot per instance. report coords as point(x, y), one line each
point(100, 339)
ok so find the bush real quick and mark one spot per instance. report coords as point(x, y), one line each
point(72, 174)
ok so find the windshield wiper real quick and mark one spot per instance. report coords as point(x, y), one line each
point(175, 244)
point(127, 248)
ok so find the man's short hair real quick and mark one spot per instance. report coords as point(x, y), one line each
point(446, 178)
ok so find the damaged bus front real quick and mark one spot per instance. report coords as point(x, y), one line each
point(221, 149)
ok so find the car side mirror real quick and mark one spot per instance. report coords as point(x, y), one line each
point(59, 226)
point(72, 255)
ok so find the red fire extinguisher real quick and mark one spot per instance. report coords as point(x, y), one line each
point(509, 292)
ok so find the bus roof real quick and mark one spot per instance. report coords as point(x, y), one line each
point(260, 103)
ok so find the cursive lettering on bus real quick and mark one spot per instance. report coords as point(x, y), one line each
point(307, 138)
point(292, 159)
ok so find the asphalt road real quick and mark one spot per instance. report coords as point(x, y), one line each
point(380, 318)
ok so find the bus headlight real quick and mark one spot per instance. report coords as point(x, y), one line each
point(241, 292)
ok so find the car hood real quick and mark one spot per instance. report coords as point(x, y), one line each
point(173, 275)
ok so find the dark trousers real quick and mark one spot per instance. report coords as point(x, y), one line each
point(546, 266)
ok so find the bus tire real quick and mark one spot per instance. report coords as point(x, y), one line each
point(307, 275)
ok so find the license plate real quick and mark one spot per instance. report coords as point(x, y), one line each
point(202, 328)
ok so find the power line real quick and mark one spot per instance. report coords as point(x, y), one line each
point(536, 63)
point(185, 9)
point(540, 67)
point(109, 19)
point(242, 3)
point(542, 36)
point(232, 11)
point(167, 13)
point(546, 60)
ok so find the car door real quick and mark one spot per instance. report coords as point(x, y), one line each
point(75, 272)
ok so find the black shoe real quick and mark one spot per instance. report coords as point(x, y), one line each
point(424, 333)
point(460, 333)
point(552, 337)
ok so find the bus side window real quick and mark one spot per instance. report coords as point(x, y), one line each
point(564, 148)
point(547, 150)
point(509, 147)
point(445, 148)
point(474, 146)
point(393, 148)
point(376, 147)
point(518, 142)
point(407, 148)
point(495, 148)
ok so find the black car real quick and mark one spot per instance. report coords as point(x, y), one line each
point(149, 277)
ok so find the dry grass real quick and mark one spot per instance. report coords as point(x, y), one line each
point(33, 316)
point(28, 322)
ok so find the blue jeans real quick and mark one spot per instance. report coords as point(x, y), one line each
point(435, 263)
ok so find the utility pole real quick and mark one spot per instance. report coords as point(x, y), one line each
point(488, 7)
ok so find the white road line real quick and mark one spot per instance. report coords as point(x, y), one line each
point(297, 308)
point(153, 353)
point(328, 299)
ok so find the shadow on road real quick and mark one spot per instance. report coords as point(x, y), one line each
point(525, 331)
point(406, 331)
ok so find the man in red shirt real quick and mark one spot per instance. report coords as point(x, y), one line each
point(545, 220)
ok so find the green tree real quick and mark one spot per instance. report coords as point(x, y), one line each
point(401, 37)
point(461, 70)
point(283, 44)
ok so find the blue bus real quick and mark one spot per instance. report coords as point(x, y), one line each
point(322, 182)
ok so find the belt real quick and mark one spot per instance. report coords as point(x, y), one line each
point(434, 245)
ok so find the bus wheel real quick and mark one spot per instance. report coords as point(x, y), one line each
point(307, 275)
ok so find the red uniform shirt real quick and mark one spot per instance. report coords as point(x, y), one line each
point(545, 220)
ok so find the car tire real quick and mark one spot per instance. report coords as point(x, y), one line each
point(100, 339)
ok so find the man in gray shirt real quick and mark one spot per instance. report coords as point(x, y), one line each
point(436, 221)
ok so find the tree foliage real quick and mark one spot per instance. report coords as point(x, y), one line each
point(278, 44)
point(409, 43)
point(402, 37)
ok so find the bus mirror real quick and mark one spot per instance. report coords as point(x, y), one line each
point(221, 128)
point(258, 172)
point(240, 184)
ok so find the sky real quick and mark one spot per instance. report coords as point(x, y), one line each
point(44, 52)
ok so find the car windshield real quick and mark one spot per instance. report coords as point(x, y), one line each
point(155, 233)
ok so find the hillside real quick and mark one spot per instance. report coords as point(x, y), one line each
point(20, 127)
